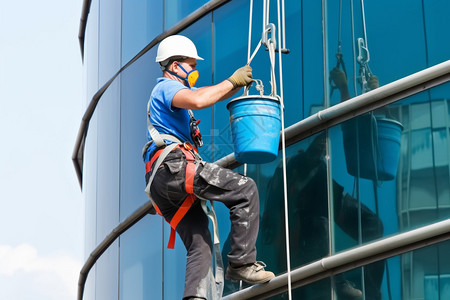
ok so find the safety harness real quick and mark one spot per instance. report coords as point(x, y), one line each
point(187, 149)
point(154, 163)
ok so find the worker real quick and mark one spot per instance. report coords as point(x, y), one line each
point(169, 113)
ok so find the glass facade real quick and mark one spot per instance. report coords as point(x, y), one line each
point(365, 179)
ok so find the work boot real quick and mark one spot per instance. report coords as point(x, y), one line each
point(346, 290)
point(251, 273)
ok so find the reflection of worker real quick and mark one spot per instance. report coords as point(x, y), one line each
point(340, 80)
point(170, 100)
point(308, 214)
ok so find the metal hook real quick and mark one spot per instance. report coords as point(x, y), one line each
point(259, 87)
point(270, 28)
point(363, 52)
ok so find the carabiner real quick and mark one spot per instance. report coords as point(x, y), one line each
point(270, 28)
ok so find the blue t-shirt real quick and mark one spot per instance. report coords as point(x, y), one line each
point(165, 118)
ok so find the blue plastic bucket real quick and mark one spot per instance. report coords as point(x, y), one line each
point(255, 128)
point(372, 147)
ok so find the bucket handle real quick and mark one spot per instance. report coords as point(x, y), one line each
point(259, 86)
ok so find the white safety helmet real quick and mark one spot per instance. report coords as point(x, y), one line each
point(176, 45)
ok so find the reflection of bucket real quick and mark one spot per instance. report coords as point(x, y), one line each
point(375, 142)
point(255, 127)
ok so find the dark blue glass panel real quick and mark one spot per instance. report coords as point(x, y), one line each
point(175, 11)
point(109, 39)
point(435, 24)
point(407, 41)
point(141, 260)
point(294, 72)
point(394, 178)
point(308, 207)
point(312, 57)
point(230, 53)
point(142, 21)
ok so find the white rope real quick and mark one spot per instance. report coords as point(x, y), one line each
point(283, 151)
point(271, 44)
point(250, 19)
point(273, 82)
point(283, 24)
point(353, 48)
point(250, 58)
point(364, 23)
point(266, 14)
point(254, 53)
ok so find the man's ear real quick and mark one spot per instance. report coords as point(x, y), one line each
point(174, 66)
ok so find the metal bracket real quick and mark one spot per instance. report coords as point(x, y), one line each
point(265, 40)
point(363, 53)
point(259, 87)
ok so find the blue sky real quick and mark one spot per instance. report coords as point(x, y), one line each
point(41, 215)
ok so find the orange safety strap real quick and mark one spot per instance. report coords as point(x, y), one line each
point(189, 186)
point(148, 165)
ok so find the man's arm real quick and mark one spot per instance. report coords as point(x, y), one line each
point(207, 96)
point(340, 80)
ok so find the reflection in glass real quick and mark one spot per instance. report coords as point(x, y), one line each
point(175, 10)
point(309, 219)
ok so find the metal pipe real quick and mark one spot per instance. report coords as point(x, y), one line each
point(83, 22)
point(350, 259)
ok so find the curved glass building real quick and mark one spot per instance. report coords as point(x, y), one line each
point(367, 117)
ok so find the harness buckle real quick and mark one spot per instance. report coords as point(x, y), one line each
point(188, 146)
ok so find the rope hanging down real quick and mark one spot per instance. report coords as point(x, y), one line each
point(268, 39)
point(365, 74)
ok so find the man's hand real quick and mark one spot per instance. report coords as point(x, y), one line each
point(373, 82)
point(339, 78)
point(241, 77)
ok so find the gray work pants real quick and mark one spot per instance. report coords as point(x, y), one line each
point(211, 182)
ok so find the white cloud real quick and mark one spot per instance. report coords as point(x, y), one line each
point(30, 276)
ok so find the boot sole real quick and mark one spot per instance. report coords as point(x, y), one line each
point(249, 281)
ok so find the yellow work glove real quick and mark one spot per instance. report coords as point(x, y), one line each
point(241, 77)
